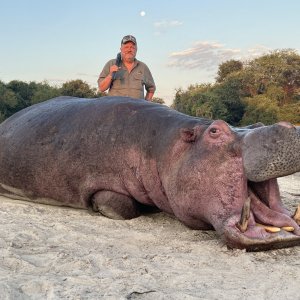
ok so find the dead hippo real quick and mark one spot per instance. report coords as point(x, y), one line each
point(118, 155)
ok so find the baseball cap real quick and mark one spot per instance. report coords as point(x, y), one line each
point(128, 38)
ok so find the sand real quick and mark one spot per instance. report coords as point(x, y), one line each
point(49, 252)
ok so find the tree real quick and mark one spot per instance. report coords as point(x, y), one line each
point(24, 92)
point(235, 95)
point(221, 101)
point(290, 113)
point(8, 102)
point(17, 94)
point(158, 100)
point(227, 68)
point(279, 68)
point(44, 92)
point(189, 101)
point(78, 88)
point(182, 102)
point(229, 97)
point(260, 109)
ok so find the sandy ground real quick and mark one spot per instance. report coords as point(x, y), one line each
point(49, 252)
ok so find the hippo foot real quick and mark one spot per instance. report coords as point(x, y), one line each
point(262, 225)
point(115, 206)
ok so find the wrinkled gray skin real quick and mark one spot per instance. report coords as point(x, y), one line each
point(120, 155)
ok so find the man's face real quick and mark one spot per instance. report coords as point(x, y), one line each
point(128, 51)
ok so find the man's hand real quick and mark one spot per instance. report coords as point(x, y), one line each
point(113, 68)
point(105, 84)
point(149, 96)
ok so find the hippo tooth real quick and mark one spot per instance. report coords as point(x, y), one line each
point(288, 228)
point(271, 229)
point(245, 215)
point(296, 215)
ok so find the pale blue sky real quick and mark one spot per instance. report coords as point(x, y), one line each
point(182, 42)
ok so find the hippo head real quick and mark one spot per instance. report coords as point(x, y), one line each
point(225, 178)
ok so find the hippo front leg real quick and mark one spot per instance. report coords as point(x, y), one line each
point(115, 206)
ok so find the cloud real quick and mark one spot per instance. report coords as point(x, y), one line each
point(167, 24)
point(209, 55)
point(256, 51)
point(164, 25)
point(58, 81)
point(55, 81)
point(86, 75)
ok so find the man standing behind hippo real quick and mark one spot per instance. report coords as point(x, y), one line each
point(130, 76)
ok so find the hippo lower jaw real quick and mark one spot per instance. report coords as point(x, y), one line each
point(257, 239)
point(262, 225)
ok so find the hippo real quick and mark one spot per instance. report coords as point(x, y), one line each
point(119, 156)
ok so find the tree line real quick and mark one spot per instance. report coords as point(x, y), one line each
point(265, 89)
point(17, 94)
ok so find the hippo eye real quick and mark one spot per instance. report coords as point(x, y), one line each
point(214, 132)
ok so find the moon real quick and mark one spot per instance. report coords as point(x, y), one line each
point(142, 13)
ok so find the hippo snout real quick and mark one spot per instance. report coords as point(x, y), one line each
point(271, 151)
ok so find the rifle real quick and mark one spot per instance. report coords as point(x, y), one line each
point(118, 63)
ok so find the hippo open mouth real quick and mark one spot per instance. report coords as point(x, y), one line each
point(263, 223)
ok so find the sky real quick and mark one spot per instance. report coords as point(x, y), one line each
point(182, 41)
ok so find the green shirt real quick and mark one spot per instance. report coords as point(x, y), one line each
point(129, 84)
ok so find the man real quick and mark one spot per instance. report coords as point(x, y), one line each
point(130, 78)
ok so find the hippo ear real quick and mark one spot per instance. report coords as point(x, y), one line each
point(188, 134)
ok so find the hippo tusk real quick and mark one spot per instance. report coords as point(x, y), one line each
point(296, 215)
point(288, 228)
point(271, 229)
point(245, 215)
